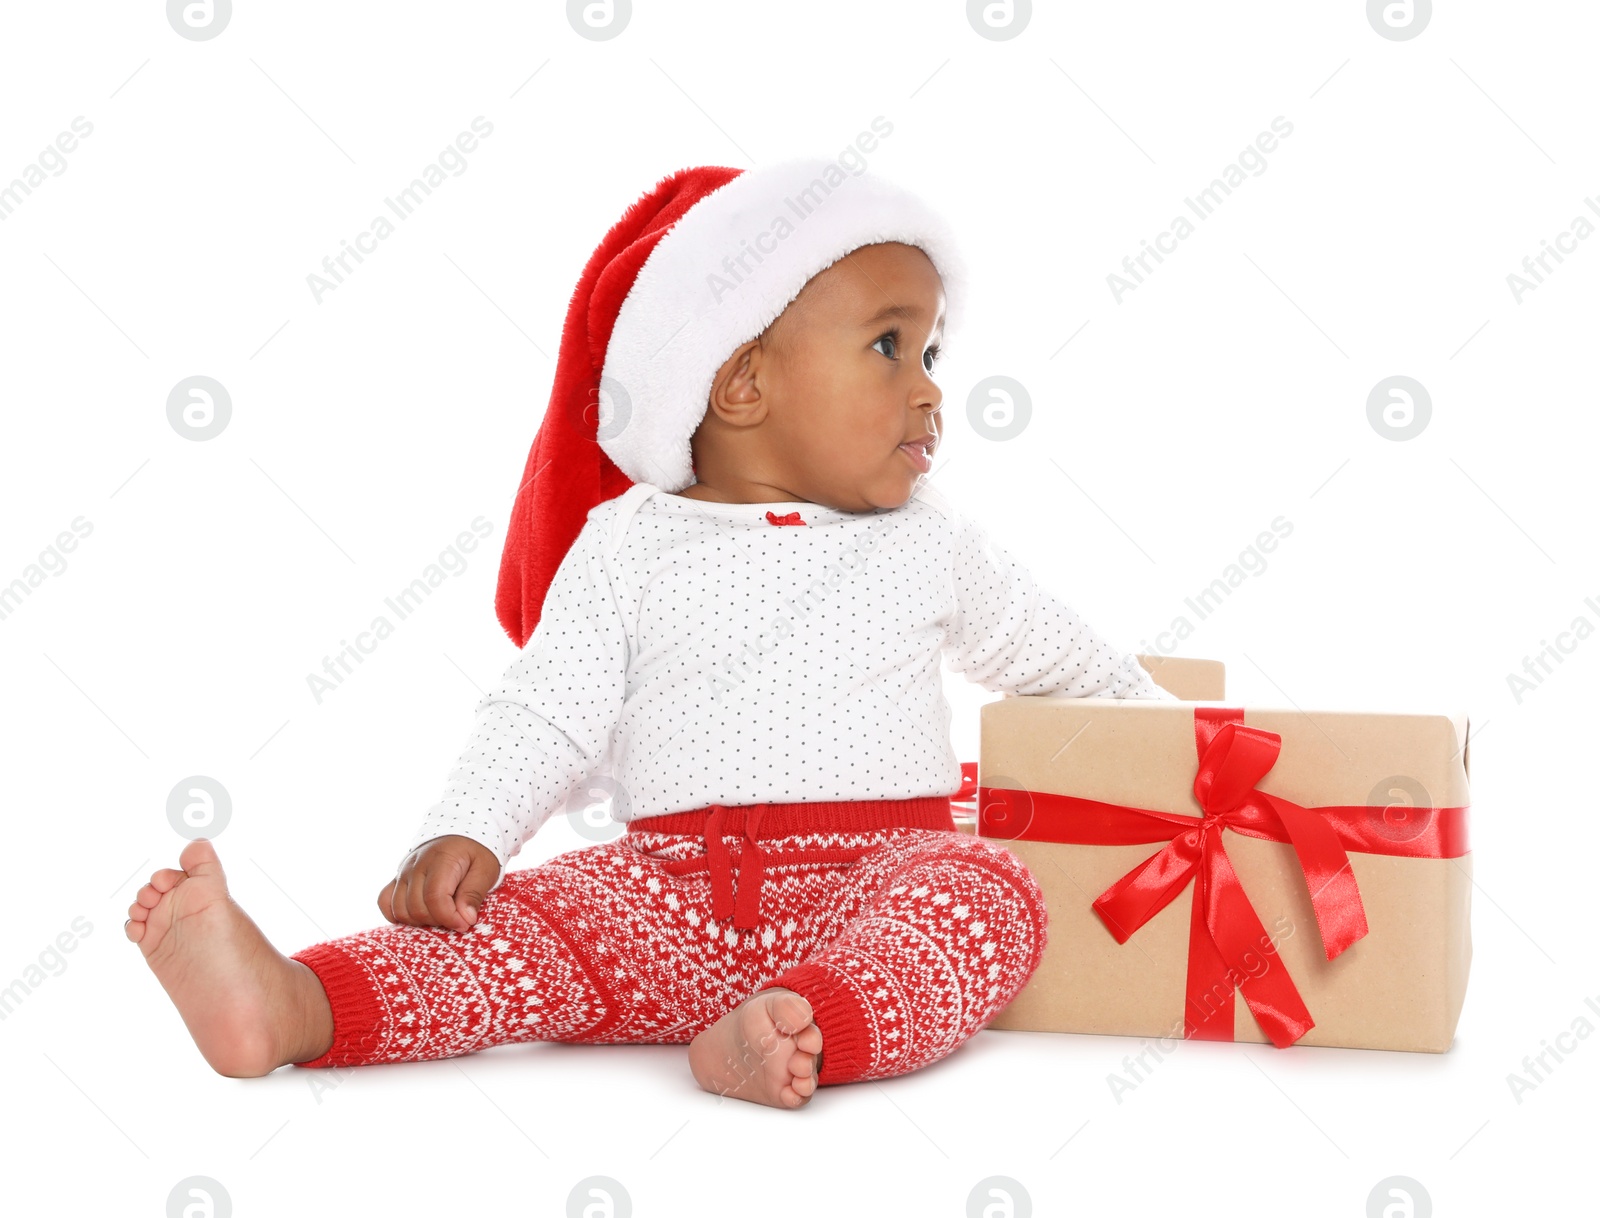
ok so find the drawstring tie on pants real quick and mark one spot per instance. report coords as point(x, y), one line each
point(745, 909)
point(740, 902)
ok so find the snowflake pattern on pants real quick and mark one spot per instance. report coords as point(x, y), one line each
point(905, 941)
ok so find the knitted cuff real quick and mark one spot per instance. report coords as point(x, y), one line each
point(839, 1014)
point(358, 1013)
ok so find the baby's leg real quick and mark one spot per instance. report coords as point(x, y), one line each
point(573, 950)
point(947, 939)
point(565, 951)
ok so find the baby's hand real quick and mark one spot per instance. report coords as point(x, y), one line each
point(441, 883)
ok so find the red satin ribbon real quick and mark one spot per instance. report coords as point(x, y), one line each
point(786, 518)
point(1227, 943)
point(969, 782)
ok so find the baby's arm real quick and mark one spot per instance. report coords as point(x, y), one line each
point(1009, 634)
point(549, 721)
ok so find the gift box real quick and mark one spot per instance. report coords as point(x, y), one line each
point(1236, 873)
point(1185, 677)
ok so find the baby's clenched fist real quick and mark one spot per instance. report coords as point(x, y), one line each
point(441, 883)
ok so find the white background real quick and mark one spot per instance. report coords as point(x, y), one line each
point(371, 428)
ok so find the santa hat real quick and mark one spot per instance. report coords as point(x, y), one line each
point(700, 264)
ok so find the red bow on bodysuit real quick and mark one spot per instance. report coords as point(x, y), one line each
point(791, 518)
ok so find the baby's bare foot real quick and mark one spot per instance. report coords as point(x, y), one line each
point(249, 1008)
point(765, 1050)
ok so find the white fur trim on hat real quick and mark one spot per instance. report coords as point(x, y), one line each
point(730, 265)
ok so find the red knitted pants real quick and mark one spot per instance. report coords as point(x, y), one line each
point(904, 935)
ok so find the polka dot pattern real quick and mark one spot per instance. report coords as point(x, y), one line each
point(696, 653)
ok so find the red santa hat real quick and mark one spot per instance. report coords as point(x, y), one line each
point(700, 264)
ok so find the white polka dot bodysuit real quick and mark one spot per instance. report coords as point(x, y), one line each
point(692, 653)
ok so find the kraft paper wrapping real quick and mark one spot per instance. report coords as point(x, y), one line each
point(1185, 677)
point(1399, 987)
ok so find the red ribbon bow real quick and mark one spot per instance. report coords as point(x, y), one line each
point(789, 518)
point(1227, 943)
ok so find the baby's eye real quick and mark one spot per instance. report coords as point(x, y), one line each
point(930, 357)
point(892, 338)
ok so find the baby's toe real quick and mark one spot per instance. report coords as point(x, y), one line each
point(166, 879)
point(791, 1013)
point(810, 1039)
point(137, 912)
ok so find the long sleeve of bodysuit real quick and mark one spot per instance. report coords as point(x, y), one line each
point(1009, 634)
point(551, 718)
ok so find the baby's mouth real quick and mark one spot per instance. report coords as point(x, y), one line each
point(920, 454)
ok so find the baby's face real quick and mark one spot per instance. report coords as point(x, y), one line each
point(818, 409)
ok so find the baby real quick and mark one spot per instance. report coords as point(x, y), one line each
point(734, 603)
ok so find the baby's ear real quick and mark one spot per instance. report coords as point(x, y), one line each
point(735, 383)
